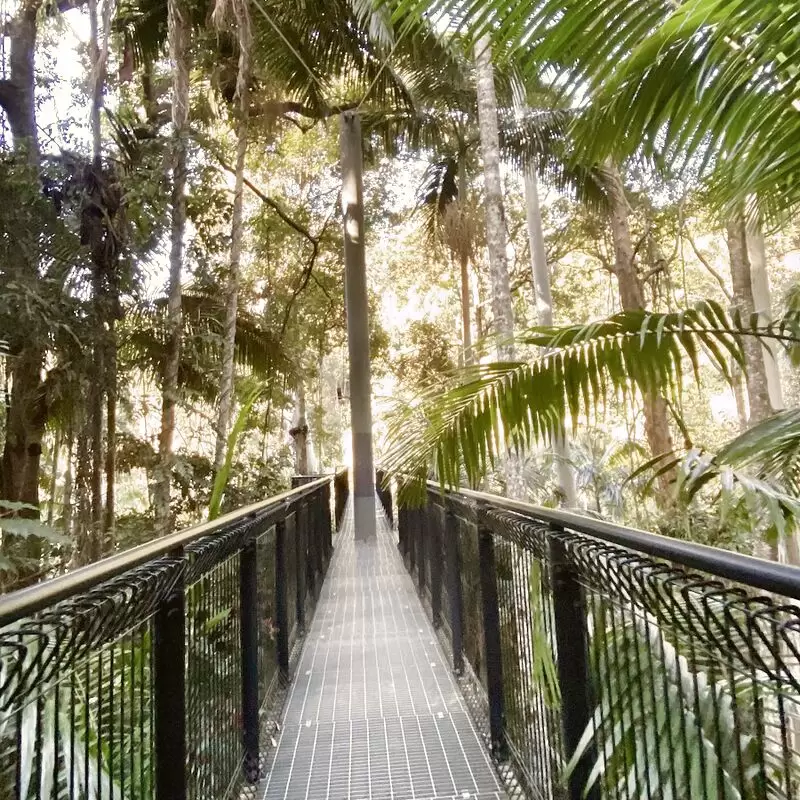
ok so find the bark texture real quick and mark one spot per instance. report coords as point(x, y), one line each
point(227, 377)
point(299, 434)
point(496, 239)
point(226, 386)
point(179, 57)
point(762, 302)
point(632, 298)
point(27, 410)
point(756, 376)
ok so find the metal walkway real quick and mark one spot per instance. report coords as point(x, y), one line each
point(374, 712)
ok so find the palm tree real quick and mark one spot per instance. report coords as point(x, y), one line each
point(496, 239)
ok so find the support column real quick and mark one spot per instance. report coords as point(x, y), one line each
point(356, 303)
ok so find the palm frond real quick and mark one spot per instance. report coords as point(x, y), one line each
point(491, 407)
point(710, 85)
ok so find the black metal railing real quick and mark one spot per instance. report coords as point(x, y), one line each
point(144, 675)
point(608, 662)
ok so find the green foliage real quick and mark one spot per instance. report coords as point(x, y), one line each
point(221, 478)
point(426, 358)
point(496, 406)
point(704, 84)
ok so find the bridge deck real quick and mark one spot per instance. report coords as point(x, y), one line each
point(374, 712)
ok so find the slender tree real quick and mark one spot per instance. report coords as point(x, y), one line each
point(540, 275)
point(496, 238)
point(179, 38)
point(241, 20)
point(631, 295)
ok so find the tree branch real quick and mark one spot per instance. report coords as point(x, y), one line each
point(704, 261)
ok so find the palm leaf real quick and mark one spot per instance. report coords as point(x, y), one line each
point(709, 85)
point(221, 478)
point(491, 407)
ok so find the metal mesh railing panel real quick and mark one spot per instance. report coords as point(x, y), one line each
point(91, 686)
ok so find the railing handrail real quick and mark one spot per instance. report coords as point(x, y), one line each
point(23, 602)
point(769, 576)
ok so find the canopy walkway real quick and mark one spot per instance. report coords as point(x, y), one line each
point(475, 648)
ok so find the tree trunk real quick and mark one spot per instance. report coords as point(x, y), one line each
point(762, 302)
point(27, 407)
point(179, 57)
point(631, 295)
point(53, 482)
point(755, 377)
point(300, 433)
point(66, 507)
point(496, 239)
point(111, 440)
point(756, 381)
point(226, 387)
point(540, 274)
point(466, 315)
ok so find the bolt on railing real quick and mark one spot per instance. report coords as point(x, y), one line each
point(144, 675)
point(608, 662)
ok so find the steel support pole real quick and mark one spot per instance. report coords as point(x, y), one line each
point(248, 603)
point(356, 302)
point(169, 694)
point(572, 646)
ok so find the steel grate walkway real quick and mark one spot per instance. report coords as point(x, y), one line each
point(374, 712)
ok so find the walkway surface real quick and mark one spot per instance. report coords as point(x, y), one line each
point(374, 712)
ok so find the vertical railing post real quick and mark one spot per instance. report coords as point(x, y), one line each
point(452, 550)
point(318, 529)
point(169, 693)
point(434, 529)
point(301, 553)
point(327, 528)
point(421, 531)
point(491, 632)
point(308, 518)
point(413, 526)
point(282, 599)
point(248, 603)
point(402, 533)
point(572, 647)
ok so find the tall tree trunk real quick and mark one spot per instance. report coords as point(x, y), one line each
point(95, 232)
point(540, 275)
point(762, 302)
point(758, 395)
point(466, 310)
point(465, 247)
point(496, 239)
point(111, 438)
point(229, 344)
point(27, 403)
point(756, 377)
point(53, 482)
point(66, 507)
point(631, 295)
point(357, 308)
point(299, 433)
point(241, 20)
point(179, 57)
